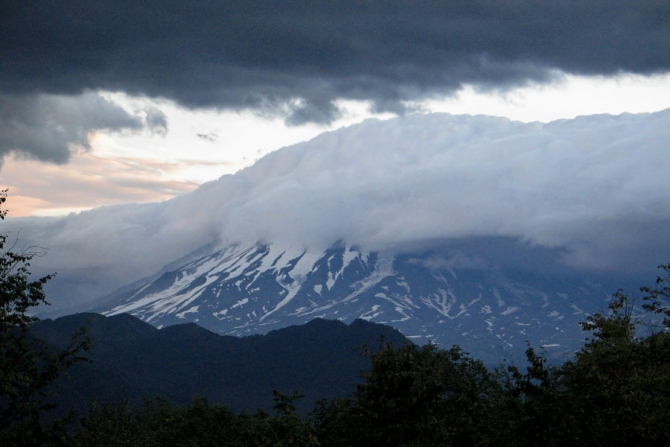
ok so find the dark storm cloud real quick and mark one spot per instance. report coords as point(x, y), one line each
point(155, 120)
point(297, 58)
point(45, 126)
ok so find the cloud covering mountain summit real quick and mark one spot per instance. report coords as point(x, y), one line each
point(441, 176)
point(596, 188)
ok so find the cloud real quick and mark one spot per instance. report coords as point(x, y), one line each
point(50, 189)
point(594, 192)
point(49, 127)
point(595, 186)
point(211, 137)
point(297, 59)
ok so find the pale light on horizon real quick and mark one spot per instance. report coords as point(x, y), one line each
point(202, 145)
point(575, 96)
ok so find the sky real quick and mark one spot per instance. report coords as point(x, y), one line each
point(125, 102)
point(592, 193)
point(114, 102)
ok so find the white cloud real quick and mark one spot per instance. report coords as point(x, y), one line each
point(195, 146)
point(597, 187)
point(453, 176)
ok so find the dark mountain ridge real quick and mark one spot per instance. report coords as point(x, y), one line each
point(131, 359)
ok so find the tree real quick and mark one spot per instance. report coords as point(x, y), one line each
point(27, 366)
point(160, 423)
point(532, 404)
point(616, 390)
point(619, 384)
point(413, 396)
point(658, 297)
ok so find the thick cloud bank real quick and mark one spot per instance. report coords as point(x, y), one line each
point(595, 185)
point(240, 52)
point(296, 58)
point(596, 188)
point(49, 127)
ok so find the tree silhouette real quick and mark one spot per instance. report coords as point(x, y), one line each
point(28, 367)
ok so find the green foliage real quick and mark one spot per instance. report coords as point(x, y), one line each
point(287, 428)
point(619, 385)
point(612, 330)
point(27, 366)
point(615, 391)
point(159, 423)
point(658, 297)
point(414, 396)
point(17, 292)
point(532, 403)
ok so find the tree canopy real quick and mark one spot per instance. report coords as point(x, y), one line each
point(28, 367)
point(614, 391)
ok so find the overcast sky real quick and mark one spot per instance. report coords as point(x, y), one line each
point(113, 102)
point(129, 101)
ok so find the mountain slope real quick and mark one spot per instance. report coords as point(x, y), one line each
point(131, 358)
point(473, 230)
point(489, 311)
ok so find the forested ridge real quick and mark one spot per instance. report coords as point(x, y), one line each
point(613, 391)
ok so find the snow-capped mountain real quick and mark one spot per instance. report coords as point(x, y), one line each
point(242, 290)
point(473, 230)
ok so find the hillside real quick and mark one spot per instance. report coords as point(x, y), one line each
point(321, 359)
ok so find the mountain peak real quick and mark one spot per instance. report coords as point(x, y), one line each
point(430, 296)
